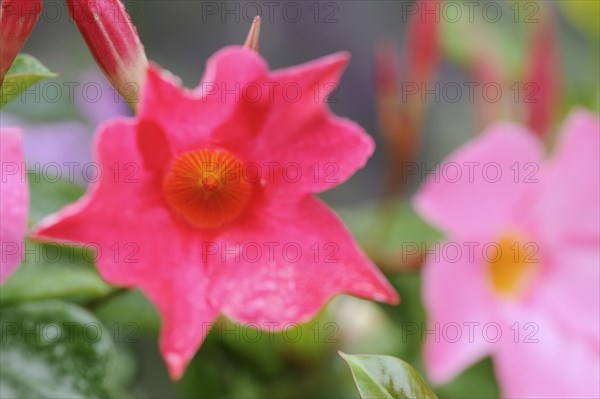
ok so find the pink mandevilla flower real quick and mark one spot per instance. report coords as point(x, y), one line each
point(14, 201)
point(519, 277)
point(213, 208)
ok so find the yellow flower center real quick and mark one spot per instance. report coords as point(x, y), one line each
point(207, 187)
point(512, 264)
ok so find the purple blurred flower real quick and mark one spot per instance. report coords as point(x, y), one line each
point(66, 146)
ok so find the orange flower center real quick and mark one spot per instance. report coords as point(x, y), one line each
point(512, 265)
point(207, 188)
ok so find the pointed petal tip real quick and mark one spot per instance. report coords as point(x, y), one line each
point(384, 293)
point(176, 365)
point(390, 297)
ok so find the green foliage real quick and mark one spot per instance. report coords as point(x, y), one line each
point(48, 196)
point(386, 377)
point(51, 271)
point(54, 349)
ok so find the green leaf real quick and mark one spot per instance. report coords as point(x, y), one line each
point(49, 196)
point(130, 307)
point(51, 271)
point(55, 350)
point(25, 71)
point(386, 377)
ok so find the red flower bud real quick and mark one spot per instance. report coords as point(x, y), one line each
point(542, 85)
point(398, 125)
point(18, 17)
point(423, 45)
point(114, 43)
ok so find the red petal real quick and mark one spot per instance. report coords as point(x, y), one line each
point(292, 257)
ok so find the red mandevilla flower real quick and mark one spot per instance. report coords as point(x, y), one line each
point(114, 43)
point(17, 19)
point(220, 216)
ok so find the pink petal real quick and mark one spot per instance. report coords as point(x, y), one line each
point(319, 150)
point(569, 290)
point(314, 153)
point(216, 113)
point(139, 245)
point(185, 119)
point(313, 257)
point(459, 306)
point(181, 300)
point(313, 81)
point(323, 153)
point(233, 85)
point(569, 208)
point(544, 363)
point(569, 220)
point(232, 67)
point(476, 189)
point(14, 201)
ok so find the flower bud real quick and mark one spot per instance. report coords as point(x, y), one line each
point(17, 19)
point(253, 35)
point(113, 41)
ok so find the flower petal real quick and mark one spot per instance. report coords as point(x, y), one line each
point(477, 189)
point(281, 266)
point(237, 86)
point(457, 299)
point(569, 208)
point(319, 150)
point(303, 89)
point(178, 112)
point(548, 365)
point(181, 300)
point(14, 201)
point(138, 244)
point(570, 290)
point(217, 113)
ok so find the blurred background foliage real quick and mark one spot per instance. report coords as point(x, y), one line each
point(180, 35)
